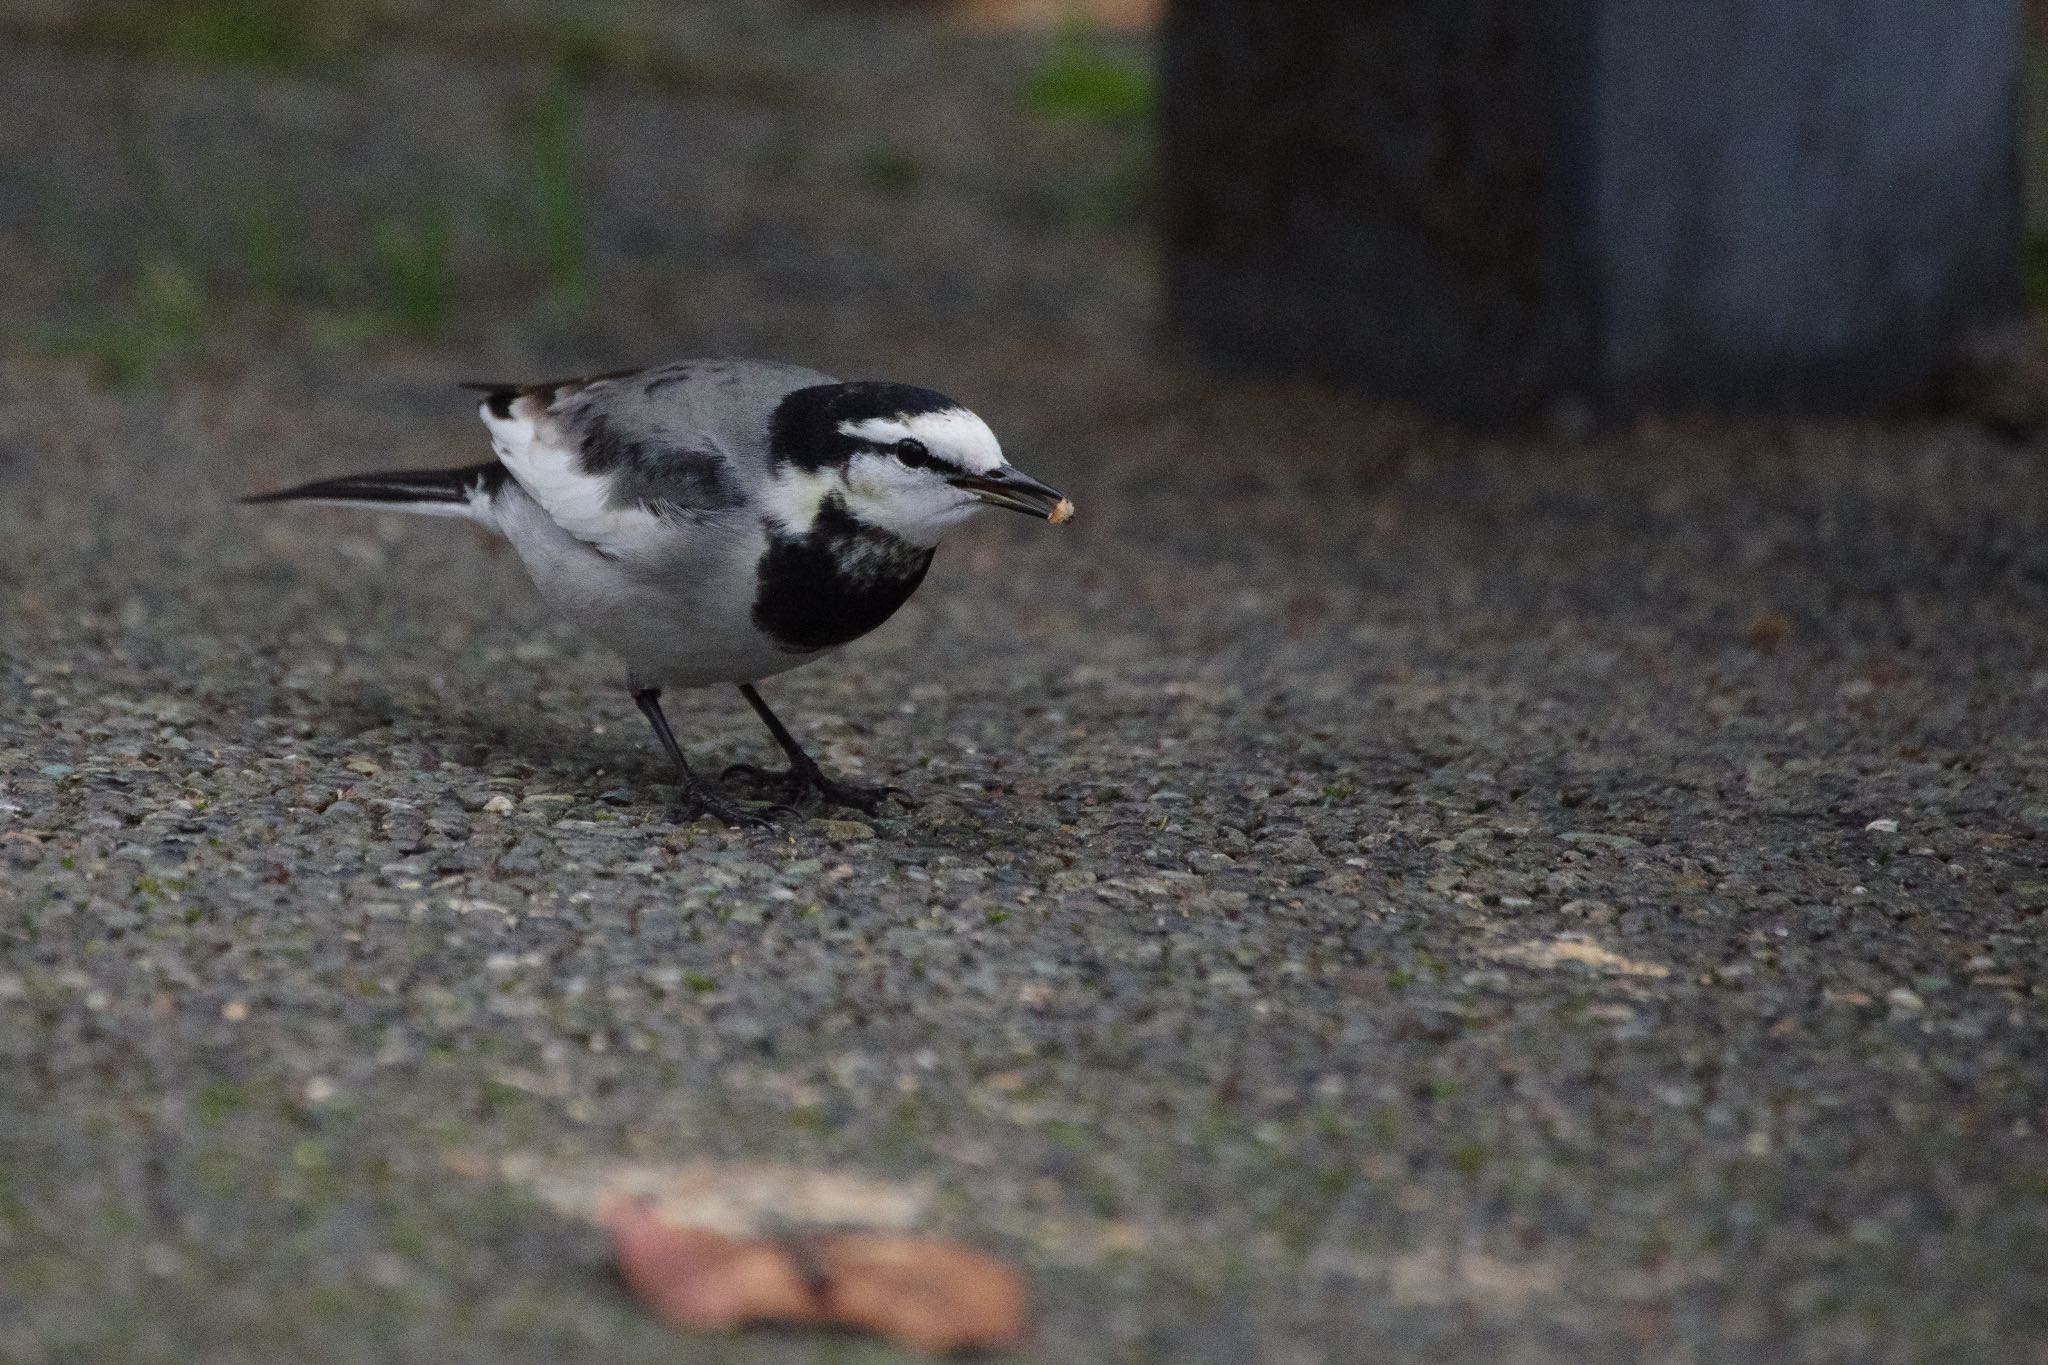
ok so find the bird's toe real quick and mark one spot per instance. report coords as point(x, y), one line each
point(796, 786)
point(702, 801)
point(782, 779)
point(865, 799)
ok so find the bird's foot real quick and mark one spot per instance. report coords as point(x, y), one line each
point(856, 796)
point(798, 783)
point(701, 799)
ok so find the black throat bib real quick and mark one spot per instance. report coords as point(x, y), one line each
point(835, 582)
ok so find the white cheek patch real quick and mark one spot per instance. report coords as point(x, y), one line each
point(916, 505)
point(956, 436)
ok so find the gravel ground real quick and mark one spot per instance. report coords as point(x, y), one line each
point(1373, 894)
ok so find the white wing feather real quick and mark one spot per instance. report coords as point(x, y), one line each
point(531, 443)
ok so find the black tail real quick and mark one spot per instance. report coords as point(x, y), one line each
point(418, 490)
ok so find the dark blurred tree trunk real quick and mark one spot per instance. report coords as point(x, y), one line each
point(1495, 207)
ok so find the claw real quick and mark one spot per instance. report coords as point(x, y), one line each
point(700, 801)
point(766, 777)
point(866, 800)
point(801, 784)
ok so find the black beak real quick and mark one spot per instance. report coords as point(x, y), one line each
point(1018, 491)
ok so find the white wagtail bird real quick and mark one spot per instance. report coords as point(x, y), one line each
point(719, 521)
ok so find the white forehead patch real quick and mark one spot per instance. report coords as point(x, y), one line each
point(955, 435)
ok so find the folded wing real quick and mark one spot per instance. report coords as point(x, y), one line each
point(625, 486)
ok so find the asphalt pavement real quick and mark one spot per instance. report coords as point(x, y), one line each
point(1371, 894)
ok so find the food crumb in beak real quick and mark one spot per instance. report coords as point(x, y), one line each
point(1061, 513)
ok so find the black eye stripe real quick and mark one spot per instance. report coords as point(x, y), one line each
point(911, 452)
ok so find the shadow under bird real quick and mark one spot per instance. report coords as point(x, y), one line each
point(719, 521)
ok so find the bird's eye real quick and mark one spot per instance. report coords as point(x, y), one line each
point(913, 453)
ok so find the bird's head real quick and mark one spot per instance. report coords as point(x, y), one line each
point(901, 459)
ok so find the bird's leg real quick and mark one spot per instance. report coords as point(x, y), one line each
point(699, 797)
point(804, 777)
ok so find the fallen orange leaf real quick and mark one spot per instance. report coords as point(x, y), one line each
point(919, 1292)
point(935, 1296)
point(706, 1280)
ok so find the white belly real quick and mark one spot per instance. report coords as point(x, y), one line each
point(683, 621)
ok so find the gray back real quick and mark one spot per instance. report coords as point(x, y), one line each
point(634, 424)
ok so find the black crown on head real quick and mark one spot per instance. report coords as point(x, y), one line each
point(805, 428)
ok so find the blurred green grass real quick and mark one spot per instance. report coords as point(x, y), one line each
point(550, 177)
point(1085, 79)
point(410, 263)
point(396, 275)
point(416, 258)
point(273, 35)
point(586, 43)
point(164, 321)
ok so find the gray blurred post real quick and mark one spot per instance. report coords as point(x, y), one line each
point(1496, 207)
